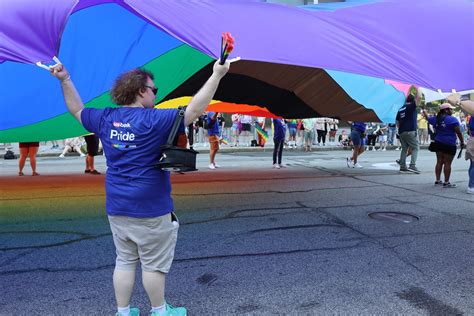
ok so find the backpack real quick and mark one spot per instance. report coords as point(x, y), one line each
point(9, 155)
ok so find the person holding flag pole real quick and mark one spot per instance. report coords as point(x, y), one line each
point(138, 195)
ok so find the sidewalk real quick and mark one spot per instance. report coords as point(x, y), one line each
point(47, 151)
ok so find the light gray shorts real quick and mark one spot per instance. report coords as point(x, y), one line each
point(149, 240)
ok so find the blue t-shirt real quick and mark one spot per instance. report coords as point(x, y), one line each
point(445, 131)
point(279, 129)
point(470, 126)
point(359, 126)
point(406, 118)
point(131, 138)
point(213, 127)
point(292, 123)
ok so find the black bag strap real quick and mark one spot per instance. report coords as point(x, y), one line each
point(174, 129)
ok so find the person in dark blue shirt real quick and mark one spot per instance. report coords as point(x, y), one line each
point(279, 130)
point(214, 132)
point(138, 195)
point(447, 127)
point(357, 138)
point(407, 131)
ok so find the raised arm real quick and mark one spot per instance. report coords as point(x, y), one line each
point(467, 105)
point(204, 96)
point(423, 113)
point(418, 97)
point(71, 96)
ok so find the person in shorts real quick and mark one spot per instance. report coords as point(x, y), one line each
point(246, 124)
point(444, 145)
point(214, 132)
point(138, 195)
point(357, 138)
point(92, 143)
point(28, 149)
point(308, 133)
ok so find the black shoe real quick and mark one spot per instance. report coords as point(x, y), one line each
point(414, 169)
point(449, 185)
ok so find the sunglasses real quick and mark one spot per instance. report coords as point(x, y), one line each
point(153, 89)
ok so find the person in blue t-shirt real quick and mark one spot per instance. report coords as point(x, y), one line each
point(138, 195)
point(467, 106)
point(357, 138)
point(447, 127)
point(279, 130)
point(214, 132)
point(407, 131)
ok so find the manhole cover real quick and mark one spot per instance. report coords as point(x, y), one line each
point(394, 217)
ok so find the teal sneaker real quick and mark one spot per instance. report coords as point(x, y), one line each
point(172, 311)
point(133, 312)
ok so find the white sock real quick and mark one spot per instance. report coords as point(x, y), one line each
point(124, 311)
point(160, 310)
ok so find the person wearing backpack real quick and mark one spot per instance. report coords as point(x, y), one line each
point(138, 198)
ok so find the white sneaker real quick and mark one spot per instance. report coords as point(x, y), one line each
point(358, 166)
point(82, 155)
point(212, 167)
point(384, 149)
point(470, 190)
point(61, 156)
point(349, 163)
point(276, 166)
point(373, 149)
point(398, 148)
point(216, 165)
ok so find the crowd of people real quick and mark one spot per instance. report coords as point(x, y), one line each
point(414, 126)
point(214, 129)
point(90, 144)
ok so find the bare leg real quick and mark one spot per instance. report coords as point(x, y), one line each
point(124, 281)
point(90, 163)
point(154, 284)
point(21, 162)
point(355, 153)
point(448, 159)
point(212, 154)
point(439, 165)
point(32, 153)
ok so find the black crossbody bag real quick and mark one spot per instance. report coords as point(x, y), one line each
point(174, 158)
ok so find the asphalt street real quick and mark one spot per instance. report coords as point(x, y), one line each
point(253, 240)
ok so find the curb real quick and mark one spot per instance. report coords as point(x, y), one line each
point(230, 150)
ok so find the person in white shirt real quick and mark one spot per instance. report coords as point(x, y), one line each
point(322, 130)
point(72, 144)
point(246, 121)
